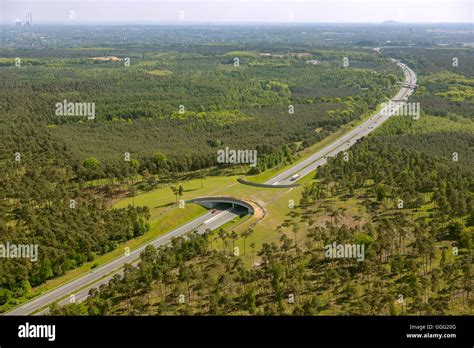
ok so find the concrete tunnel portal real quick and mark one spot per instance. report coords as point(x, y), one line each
point(214, 202)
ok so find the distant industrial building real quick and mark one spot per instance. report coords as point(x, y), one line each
point(28, 21)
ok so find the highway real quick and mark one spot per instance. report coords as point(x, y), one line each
point(208, 221)
point(213, 219)
point(311, 163)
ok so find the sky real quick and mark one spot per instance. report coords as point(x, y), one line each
point(219, 11)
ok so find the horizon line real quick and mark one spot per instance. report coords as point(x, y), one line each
point(181, 23)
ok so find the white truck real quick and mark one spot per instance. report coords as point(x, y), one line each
point(295, 176)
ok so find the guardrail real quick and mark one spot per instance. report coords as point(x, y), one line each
point(256, 184)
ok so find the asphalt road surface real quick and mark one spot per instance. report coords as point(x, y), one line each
point(310, 164)
point(211, 220)
point(81, 286)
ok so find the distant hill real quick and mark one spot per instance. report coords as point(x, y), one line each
point(390, 22)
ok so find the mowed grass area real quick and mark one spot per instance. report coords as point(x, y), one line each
point(160, 224)
point(268, 174)
point(305, 153)
point(166, 216)
point(163, 198)
point(275, 201)
point(276, 204)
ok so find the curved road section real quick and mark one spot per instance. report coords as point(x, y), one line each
point(215, 218)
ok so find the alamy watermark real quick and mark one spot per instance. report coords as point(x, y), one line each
point(411, 109)
point(27, 251)
point(336, 251)
point(66, 108)
point(231, 156)
point(37, 331)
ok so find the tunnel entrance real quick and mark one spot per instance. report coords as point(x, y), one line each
point(225, 203)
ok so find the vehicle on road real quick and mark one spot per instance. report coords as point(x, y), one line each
point(295, 176)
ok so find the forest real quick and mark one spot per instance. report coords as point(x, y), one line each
point(418, 253)
point(158, 101)
point(183, 96)
point(418, 259)
point(49, 163)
